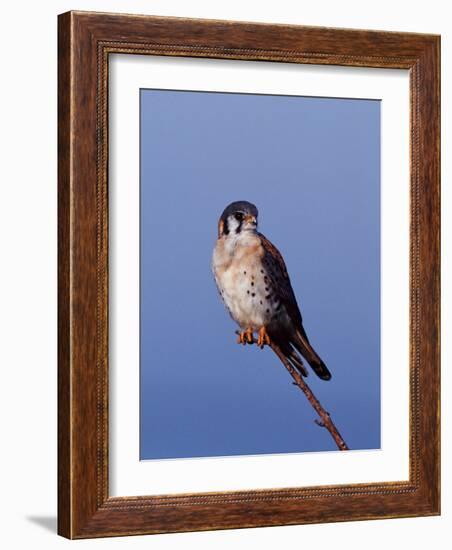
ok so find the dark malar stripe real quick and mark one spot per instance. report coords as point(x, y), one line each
point(225, 227)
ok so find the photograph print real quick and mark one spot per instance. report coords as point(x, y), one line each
point(259, 274)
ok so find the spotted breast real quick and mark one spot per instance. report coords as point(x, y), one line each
point(244, 280)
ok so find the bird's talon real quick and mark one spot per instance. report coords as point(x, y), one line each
point(245, 337)
point(263, 338)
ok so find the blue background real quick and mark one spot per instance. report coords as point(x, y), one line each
point(312, 167)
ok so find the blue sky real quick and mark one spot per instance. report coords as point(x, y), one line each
point(312, 167)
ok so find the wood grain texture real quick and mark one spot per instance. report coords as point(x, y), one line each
point(85, 42)
point(64, 294)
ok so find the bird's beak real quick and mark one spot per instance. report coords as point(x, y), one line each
point(250, 219)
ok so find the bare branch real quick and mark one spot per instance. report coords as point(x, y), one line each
point(325, 418)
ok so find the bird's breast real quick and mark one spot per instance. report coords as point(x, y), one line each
point(244, 284)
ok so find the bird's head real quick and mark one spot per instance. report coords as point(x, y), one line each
point(238, 217)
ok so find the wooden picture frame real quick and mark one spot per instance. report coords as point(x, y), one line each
point(85, 42)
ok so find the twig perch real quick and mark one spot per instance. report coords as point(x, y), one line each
point(325, 419)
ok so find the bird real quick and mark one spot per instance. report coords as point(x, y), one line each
point(254, 284)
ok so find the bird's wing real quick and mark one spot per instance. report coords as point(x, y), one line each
point(276, 268)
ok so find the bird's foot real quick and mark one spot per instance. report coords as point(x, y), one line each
point(245, 337)
point(263, 338)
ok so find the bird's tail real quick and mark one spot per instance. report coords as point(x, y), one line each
point(290, 354)
point(301, 343)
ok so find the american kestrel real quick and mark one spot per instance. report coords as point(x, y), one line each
point(252, 279)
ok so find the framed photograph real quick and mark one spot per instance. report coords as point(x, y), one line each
point(248, 275)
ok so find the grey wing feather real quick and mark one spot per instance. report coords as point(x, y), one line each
point(277, 270)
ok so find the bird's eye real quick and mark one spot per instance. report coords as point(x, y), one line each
point(238, 216)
